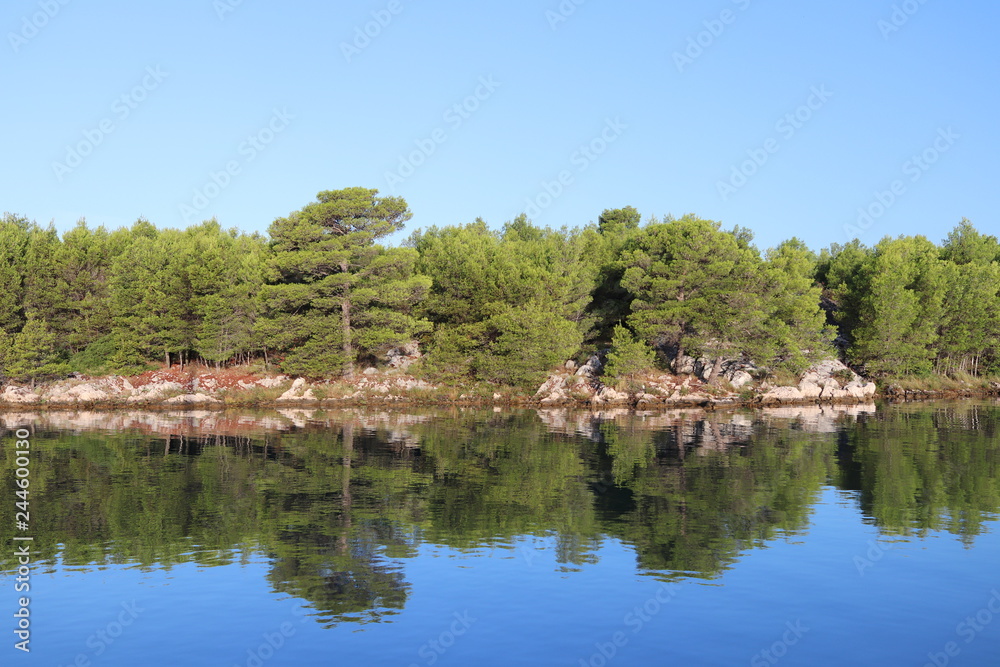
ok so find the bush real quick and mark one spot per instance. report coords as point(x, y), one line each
point(628, 360)
point(522, 344)
point(96, 358)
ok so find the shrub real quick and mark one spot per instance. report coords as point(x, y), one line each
point(628, 360)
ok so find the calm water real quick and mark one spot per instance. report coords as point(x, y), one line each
point(798, 536)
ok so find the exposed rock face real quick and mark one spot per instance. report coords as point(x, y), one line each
point(299, 391)
point(81, 393)
point(154, 391)
point(782, 394)
point(740, 379)
point(403, 357)
point(190, 399)
point(591, 369)
point(810, 389)
point(606, 395)
point(14, 394)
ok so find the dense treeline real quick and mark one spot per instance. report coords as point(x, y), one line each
point(320, 296)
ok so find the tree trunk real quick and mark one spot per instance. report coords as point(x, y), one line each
point(348, 347)
point(716, 369)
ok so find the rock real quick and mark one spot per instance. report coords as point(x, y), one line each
point(870, 389)
point(827, 368)
point(294, 393)
point(609, 395)
point(592, 368)
point(86, 393)
point(740, 379)
point(554, 383)
point(404, 356)
point(703, 368)
point(271, 383)
point(153, 391)
point(782, 394)
point(554, 397)
point(683, 365)
point(371, 371)
point(14, 394)
point(189, 399)
point(570, 365)
point(855, 389)
point(831, 389)
point(496, 396)
point(810, 389)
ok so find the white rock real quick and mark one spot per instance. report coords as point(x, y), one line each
point(188, 399)
point(783, 394)
point(810, 389)
point(14, 394)
point(741, 379)
point(554, 383)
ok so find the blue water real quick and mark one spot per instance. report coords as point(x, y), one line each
point(838, 590)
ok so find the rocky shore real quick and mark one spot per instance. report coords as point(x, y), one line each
point(572, 386)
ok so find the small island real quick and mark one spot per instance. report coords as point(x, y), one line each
point(673, 311)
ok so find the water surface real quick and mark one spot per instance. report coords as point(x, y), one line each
point(800, 536)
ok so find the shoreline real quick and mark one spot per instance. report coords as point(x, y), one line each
point(246, 401)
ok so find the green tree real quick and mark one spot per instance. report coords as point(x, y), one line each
point(901, 304)
point(628, 359)
point(32, 354)
point(698, 288)
point(796, 322)
point(519, 344)
point(14, 237)
point(330, 274)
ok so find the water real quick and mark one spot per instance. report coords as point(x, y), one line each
point(793, 536)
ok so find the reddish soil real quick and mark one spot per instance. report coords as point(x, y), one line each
point(225, 378)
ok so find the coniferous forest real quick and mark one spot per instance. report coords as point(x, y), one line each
point(321, 296)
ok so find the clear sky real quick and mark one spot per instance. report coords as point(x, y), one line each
point(783, 116)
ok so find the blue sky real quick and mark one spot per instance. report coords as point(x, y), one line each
point(784, 117)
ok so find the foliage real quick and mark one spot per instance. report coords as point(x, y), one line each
point(628, 359)
point(320, 294)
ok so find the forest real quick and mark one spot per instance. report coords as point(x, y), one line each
point(321, 296)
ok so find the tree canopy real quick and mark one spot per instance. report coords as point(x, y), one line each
point(323, 292)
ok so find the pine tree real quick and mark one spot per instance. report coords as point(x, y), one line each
point(33, 353)
point(901, 306)
point(697, 288)
point(628, 359)
point(332, 275)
